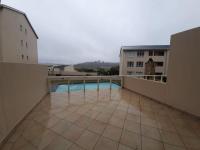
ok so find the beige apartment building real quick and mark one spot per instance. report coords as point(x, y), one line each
point(133, 59)
point(18, 39)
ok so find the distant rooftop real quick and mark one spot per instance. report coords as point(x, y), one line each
point(20, 12)
point(145, 47)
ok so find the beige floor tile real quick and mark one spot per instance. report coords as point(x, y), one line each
point(58, 143)
point(115, 121)
point(112, 132)
point(88, 140)
point(131, 139)
point(75, 147)
point(172, 147)
point(167, 126)
point(186, 131)
point(73, 133)
point(150, 144)
point(72, 117)
point(149, 122)
point(120, 114)
point(135, 118)
point(43, 140)
point(97, 126)
point(34, 132)
point(134, 111)
point(41, 117)
point(83, 121)
point(82, 111)
point(171, 138)
point(92, 114)
point(151, 132)
point(106, 144)
point(123, 147)
point(20, 142)
point(103, 117)
point(191, 142)
point(62, 114)
point(7, 146)
point(50, 121)
point(28, 147)
point(132, 126)
point(61, 126)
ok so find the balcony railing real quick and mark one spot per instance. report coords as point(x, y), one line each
point(158, 78)
point(56, 80)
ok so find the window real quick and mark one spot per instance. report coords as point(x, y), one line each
point(158, 53)
point(139, 64)
point(22, 56)
point(139, 72)
point(129, 72)
point(21, 28)
point(26, 31)
point(130, 64)
point(140, 53)
point(130, 54)
point(150, 53)
point(26, 45)
point(159, 63)
point(158, 73)
point(22, 43)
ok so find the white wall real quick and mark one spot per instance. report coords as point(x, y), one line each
point(149, 88)
point(22, 86)
point(11, 36)
point(184, 71)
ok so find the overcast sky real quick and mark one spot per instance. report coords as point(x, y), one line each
point(73, 31)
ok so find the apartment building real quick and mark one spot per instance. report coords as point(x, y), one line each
point(133, 59)
point(18, 39)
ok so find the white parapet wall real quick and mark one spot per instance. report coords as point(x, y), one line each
point(22, 86)
point(153, 89)
point(182, 90)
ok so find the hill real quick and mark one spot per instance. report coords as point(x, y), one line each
point(95, 65)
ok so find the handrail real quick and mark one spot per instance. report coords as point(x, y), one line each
point(143, 75)
point(157, 78)
point(84, 79)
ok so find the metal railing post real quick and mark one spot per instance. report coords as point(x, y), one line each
point(84, 85)
point(49, 85)
point(68, 85)
point(161, 78)
point(110, 83)
point(121, 82)
point(97, 84)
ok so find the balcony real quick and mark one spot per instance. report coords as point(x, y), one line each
point(147, 113)
point(104, 119)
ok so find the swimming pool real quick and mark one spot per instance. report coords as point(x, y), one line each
point(88, 86)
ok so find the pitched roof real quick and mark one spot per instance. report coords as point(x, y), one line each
point(145, 47)
point(20, 12)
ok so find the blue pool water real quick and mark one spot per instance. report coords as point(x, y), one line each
point(88, 86)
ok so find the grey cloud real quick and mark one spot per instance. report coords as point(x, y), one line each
point(73, 31)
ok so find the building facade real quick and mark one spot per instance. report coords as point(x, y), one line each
point(18, 40)
point(133, 59)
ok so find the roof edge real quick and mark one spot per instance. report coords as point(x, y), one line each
point(145, 47)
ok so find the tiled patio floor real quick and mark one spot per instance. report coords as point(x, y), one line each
point(104, 120)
